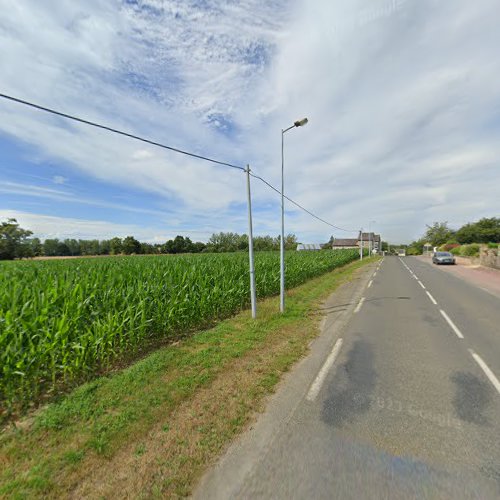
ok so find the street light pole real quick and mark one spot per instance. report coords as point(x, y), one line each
point(361, 248)
point(370, 237)
point(298, 123)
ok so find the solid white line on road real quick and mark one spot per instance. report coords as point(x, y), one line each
point(375, 274)
point(421, 284)
point(453, 326)
point(320, 378)
point(486, 370)
point(433, 300)
point(370, 284)
point(358, 307)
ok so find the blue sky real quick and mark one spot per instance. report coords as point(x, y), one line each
point(402, 97)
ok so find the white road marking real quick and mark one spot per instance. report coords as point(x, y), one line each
point(453, 326)
point(370, 284)
point(486, 370)
point(358, 307)
point(421, 284)
point(433, 300)
point(320, 378)
point(375, 274)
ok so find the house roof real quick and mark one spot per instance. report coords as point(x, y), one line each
point(308, 246)
point(369, 236)
point(346, 242)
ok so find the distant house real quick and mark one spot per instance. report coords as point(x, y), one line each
point(375, 239)
point(345, 243)
point(308, 246)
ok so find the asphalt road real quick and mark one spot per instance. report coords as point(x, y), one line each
point(399, 400)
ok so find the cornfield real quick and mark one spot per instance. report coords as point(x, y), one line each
point(61, 321)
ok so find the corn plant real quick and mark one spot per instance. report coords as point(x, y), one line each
point(63, 320)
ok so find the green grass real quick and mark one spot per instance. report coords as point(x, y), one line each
point(63, 321)
point(178, 390)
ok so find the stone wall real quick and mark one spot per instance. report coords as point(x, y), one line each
point(489, 257)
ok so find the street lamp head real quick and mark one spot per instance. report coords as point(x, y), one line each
point(301, 123)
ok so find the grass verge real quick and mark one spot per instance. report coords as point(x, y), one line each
point(151, 429)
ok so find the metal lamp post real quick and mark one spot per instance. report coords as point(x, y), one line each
point(298, 123)
point(370, 237)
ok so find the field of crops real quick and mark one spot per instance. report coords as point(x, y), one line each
point(60, 321)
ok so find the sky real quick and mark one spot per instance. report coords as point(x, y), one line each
point(402, 97)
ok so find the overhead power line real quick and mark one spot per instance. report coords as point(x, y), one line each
point(164, 146)
point(301, 207)
point(116, 131)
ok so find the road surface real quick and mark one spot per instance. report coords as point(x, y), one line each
point(400, 398)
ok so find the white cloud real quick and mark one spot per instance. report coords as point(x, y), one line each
point(59, 179)
point(401, 95)
point(47, 226)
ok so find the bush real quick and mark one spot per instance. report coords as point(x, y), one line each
point(413, 251)
point(456, 250)
point(493, 245)
point(471, 250)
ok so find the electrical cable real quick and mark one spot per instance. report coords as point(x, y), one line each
point(116, 131)
point(164, 146)
point(301, 207)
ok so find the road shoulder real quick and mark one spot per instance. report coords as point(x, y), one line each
point(485, 278)
point(226, 478)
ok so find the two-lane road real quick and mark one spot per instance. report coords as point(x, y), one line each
point(405, 405)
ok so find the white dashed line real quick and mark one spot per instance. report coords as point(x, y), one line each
point(358, 307)
point(486, 370)
point(318, 381)
point(375, 274)
point(421, 284)
point(453, 326)
point(433, 300)
point(370, 284)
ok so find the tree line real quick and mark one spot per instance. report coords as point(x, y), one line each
point(16, 242)
point(486, 230)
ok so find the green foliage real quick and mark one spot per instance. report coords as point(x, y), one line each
point(471, 250)
point(63, 320)
point(484, 231)
point(115, 246)
point(13, 240)
point(413, 250)
point(130, 245)
point(438, 234)
point(456, 250)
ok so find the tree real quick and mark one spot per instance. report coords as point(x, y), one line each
point(263, 243)
point(50, 247)
point(89, 247)
point(199, 247)
point(13, 240)
point(131, 245)
point(290, 242)
point(438, 234)
point(63, 249)
point(36, 247)
point(115, 245)
point(224, 242)
point(484, 231)
point(104, 247)
point(73, 246)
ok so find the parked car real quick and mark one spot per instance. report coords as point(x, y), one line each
point(443, 258)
